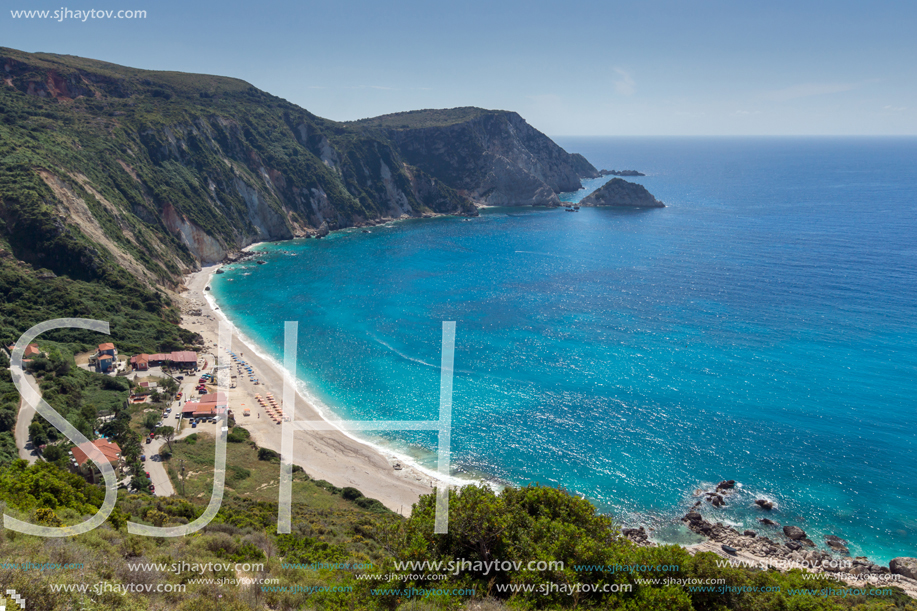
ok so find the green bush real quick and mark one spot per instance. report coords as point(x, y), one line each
point(268, 455)
point(238, 435)
point(351, 494)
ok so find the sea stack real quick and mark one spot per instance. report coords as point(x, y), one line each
point(621, 193)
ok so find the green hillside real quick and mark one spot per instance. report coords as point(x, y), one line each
point(114, 182)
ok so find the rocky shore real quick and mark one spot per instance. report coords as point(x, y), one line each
point(781, 547)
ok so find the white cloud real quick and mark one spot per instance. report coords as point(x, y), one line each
point(625, 85)
point(894, 108)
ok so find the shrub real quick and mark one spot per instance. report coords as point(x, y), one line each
point(238, 435)
point(268, 455)
point(351, 494)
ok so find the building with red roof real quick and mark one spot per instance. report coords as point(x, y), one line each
point(110, 451)
point(195, 409)
point(140, 362)
point(217, 398)
point(104, 363)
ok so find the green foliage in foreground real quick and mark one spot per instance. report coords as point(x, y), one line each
point(545, 524)
point(532, 523)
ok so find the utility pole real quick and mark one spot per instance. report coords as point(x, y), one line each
point(182, 477)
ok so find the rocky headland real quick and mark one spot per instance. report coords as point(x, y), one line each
point(492, 157)
point(174, 171)
point(777, 546)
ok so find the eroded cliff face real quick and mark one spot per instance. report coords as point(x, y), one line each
point(493, 157)
point(159, 172)
point(167, 171)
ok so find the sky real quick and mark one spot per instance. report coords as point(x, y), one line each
point(574, 68)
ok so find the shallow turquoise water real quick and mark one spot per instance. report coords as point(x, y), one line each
point(761, 328)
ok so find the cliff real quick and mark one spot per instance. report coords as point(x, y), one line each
point(104, 166)
point(619, 192)
point(491, 156)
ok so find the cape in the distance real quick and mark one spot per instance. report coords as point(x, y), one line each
point(193, 167)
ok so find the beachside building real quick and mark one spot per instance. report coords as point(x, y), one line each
point(216, 398)
point(196, 409)
point(108, 349)
point(184, 360)
point(80, 457)
point(31, 351)
point(140, 362)
point(157, 360)
point(104, 363)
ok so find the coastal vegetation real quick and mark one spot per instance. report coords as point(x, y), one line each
point(371, 559)
point(115, 181)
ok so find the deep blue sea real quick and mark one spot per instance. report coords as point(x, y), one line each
point(762, 328)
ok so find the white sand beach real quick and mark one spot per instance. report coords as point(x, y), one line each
point(329, 455)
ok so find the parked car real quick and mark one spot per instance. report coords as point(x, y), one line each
point(147, 473)
point(142, 457)
point(149, 440)
point(152, 488)
point(193, 424)
point(179, 378)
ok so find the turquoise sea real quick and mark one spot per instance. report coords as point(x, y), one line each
point(762, 328)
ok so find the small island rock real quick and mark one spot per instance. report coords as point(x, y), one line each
point(619, 192)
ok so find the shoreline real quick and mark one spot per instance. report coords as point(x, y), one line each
point(339, 458)
point(709, 545)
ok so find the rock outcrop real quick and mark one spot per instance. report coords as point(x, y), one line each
point(619, 192)
point(794, 532)
point(492, 156)
point(906, 567)
point(789, 550)
point(620, 173)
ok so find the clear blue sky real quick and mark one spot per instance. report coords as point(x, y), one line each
point(583, 67)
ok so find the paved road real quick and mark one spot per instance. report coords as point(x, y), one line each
point(23, 420)
point(158, 474)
